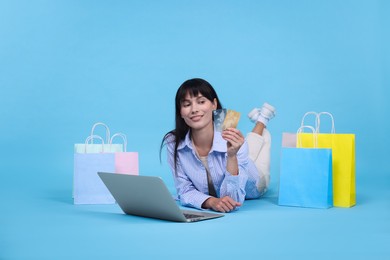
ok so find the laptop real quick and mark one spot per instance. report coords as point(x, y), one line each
point(148, 196)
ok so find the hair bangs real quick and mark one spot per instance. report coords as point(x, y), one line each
point(194, 88)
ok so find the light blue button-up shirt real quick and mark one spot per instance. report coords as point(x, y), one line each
point(191, 179)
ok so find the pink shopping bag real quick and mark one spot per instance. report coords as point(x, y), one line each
point(290, 139)
point(125, 162)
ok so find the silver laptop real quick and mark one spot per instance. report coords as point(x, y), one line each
point(147, 196)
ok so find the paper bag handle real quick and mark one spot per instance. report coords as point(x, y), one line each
point(124, 138)
point(319, 121)
point(90, 138)
point(107, 131)
point(315, 139)
point(310, 113)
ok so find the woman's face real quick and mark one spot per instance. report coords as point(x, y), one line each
point(197, 111)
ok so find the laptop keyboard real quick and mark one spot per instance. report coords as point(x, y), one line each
point(190, 216)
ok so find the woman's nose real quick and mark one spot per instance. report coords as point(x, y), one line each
point(194, 110)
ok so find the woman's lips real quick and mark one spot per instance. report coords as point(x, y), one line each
point(196, 118)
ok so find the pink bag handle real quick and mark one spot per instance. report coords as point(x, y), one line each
point(90, 138)
point(319, 121)
point(315, 138)
point(124, 138)
point(107, 131)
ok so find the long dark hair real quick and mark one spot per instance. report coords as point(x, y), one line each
point(193, 87)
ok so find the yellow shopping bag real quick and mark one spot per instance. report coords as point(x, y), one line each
point(343, 161)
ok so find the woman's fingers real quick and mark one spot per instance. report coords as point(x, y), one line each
point(233, 135)
point(226, 204)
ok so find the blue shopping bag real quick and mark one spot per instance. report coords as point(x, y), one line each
point(88, 187)
point(306, 177)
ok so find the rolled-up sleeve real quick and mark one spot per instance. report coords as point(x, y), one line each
point(241, 186)
point(187, 193)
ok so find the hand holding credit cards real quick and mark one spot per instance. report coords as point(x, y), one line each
point(225, 118)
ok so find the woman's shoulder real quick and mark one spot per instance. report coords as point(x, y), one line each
point(170, 138)
point(169, 141)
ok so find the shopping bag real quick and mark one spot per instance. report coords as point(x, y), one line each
point(90, 147)
point(125, 162)
point(289, 139)
point(343, 161)
point(88, 187)
point(98, 148)
point(306, 177)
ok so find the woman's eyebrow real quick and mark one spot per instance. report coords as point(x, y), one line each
point(185, 100)
point(193, 97)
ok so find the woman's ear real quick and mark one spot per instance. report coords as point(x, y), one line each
point(215, 103)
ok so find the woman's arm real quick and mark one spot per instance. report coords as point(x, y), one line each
point(187, 193)
point(241, 177)
point(234, 140)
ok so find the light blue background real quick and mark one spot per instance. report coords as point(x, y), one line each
point(65, 65)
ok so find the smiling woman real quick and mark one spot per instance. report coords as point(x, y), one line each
point(67, 64)
point(214, 170)
point(197, 112)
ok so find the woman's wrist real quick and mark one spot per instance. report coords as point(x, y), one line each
point(232, 165)
point(206, 203)
point(232, 156)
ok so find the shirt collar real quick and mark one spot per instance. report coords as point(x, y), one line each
point(219, 144)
